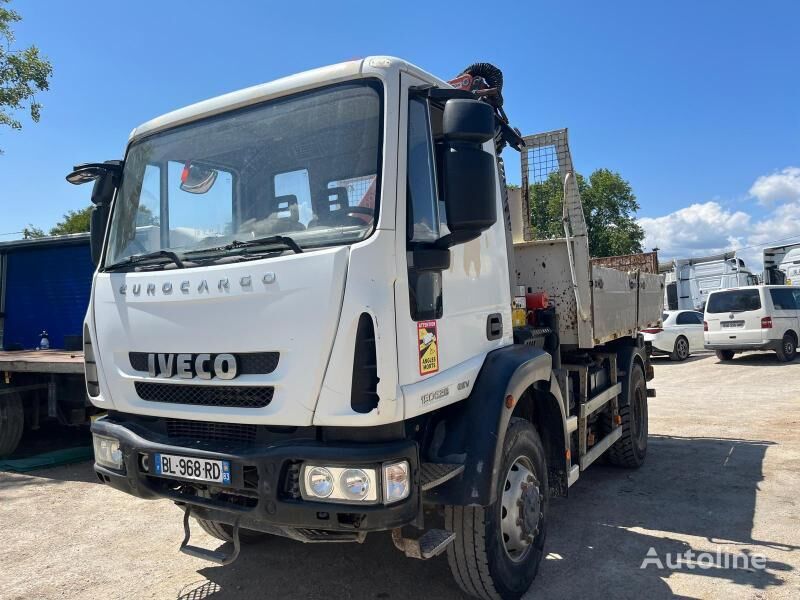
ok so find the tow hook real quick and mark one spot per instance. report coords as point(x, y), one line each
point(220, 558)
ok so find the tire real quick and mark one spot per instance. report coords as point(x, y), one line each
point(12, 420)
point(724, 355)
point(680, 351)
point(224, 532)
point(788, 350)
point(485, 562)
point(630, 449)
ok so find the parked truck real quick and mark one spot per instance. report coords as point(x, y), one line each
point(302, 322)
point(44, 291)
point(782, 265)
point(690, 280)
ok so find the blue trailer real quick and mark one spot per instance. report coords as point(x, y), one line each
point(44, 287)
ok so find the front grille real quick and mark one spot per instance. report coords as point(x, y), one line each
point(210, 432)
point(206, 395)
point(249, 363)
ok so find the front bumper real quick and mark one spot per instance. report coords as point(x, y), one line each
point(773, 345)
point(264, 493)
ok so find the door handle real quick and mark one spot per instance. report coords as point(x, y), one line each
point(494, 326)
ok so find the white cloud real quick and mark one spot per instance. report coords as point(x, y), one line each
point(711, 228)
point(696, 230)
point(783, 185)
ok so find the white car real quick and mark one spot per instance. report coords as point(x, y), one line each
point(680, 334)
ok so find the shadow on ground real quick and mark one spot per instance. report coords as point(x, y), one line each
point(598, 538)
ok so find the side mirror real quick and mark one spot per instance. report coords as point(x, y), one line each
point(97, 230)
point(468, 172)
point(106, 177)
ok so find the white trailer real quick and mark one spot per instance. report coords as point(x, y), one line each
point(346, 343)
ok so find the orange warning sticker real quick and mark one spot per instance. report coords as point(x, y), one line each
point(428, 347)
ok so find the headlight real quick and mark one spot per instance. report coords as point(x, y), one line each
point(395, 482)
point(319, 482)
point(354, 484)
point(343, 484)
point(107, 452)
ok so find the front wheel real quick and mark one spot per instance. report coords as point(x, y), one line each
point(498, 548)
point(788, 350)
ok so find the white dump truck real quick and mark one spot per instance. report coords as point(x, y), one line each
point(317, 314)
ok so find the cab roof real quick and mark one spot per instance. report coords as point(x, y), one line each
point(384, 67)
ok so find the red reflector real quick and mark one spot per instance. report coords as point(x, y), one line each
point(185, 172)
point(705, 325)
point(653, 330)
point(766, 323)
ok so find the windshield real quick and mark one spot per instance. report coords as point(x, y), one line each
point(305, 167)
point(733, 301)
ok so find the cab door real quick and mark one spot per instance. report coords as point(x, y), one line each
point(450, 313)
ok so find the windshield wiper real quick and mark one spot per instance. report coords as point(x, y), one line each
point(137, 258)
point(263, 241)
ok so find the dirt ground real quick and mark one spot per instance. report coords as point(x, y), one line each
point(722, 474)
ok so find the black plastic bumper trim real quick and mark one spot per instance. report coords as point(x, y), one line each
point(266, 508)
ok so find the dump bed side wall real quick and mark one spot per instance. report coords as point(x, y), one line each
point(614, 303)
point(620, 303)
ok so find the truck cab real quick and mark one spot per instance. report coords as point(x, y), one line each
point(301, 323)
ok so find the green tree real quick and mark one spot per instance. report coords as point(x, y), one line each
point(608, 205)
point(30, 232)
point(23, 73)
point(74, 221)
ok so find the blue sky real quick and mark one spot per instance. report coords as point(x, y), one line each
point(692, 102)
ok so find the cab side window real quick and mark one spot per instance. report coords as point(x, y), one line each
point(423, 206)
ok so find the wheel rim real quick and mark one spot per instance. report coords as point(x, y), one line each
point(520, 509)
point(683, 348)
point(788, 347)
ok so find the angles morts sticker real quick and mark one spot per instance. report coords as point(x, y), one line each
point(428, 347)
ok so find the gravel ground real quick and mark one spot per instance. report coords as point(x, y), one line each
point(722, 474)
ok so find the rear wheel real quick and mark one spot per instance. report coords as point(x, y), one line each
point(788, 349)
point(631, 448)
point(224, 532)
point(680, 351)
point(498, 548)
point(724, 354)
point(12, 420)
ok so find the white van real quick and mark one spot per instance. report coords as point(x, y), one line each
point(760, 317)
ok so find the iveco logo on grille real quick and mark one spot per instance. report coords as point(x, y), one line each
point(187, 366)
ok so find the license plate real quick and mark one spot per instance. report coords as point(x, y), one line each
point(732, 323)
point(196, 469)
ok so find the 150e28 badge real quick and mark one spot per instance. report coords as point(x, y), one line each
point(428, 347)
